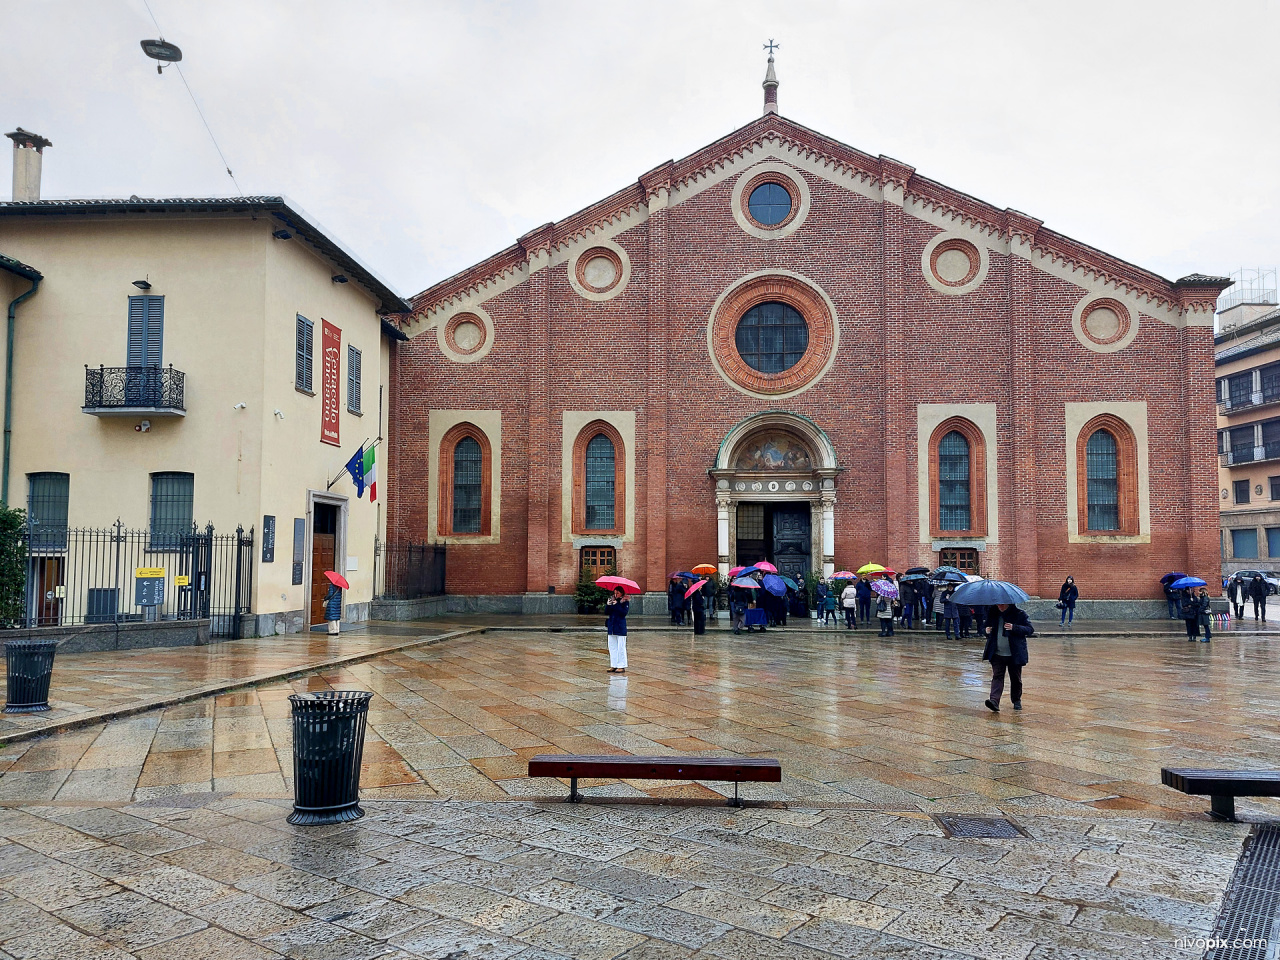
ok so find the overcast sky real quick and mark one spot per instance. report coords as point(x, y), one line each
point(427, 135)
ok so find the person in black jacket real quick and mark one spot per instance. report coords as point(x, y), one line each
point(1007, 632)
point(1258, 590)
point(1190, 607)
point(1067, 598)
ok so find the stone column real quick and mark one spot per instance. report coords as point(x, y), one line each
point(828, 534)
point(722, 534)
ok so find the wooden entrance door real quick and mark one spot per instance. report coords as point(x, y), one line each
point(324, 542)
point(49, 584)
point(792, 540)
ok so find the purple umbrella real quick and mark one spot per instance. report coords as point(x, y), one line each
point(773, 583)
point(886, 588)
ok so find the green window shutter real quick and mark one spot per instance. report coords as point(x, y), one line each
point(146, 331)
point(304, 342)
point(353, 379)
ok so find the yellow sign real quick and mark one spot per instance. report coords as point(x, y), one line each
point(143, 573)
point(182, 581)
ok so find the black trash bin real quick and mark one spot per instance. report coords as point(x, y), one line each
point(30, 668)
point(328, 744)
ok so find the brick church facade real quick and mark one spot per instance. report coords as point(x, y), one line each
point(783, 347)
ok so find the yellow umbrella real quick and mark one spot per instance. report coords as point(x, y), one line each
point(704, 568)
point(868, 568)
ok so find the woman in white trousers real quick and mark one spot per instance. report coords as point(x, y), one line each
point(616, 607)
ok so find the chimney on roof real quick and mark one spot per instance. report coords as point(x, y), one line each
point(28, 154)
point(770, 84)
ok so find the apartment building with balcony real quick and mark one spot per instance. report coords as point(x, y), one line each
point(184, 362)
point(1247, 360)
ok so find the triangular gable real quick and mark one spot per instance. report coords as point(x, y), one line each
point(1188, 301)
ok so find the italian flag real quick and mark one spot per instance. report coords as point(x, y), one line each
point(371, 474)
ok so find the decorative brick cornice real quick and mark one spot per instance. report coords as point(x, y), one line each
point(836, 161)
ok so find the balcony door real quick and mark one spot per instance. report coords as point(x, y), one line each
point(145, 352)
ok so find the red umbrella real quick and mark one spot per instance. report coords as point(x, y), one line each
point(694, 589)
point(337, 579)
point(628, 586)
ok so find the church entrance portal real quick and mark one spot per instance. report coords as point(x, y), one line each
point(778, 532)
point(775, 479)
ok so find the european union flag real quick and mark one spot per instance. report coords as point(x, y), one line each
point(355, 467)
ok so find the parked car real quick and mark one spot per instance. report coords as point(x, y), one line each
point(1271, 576)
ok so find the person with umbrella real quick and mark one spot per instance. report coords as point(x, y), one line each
point(1007, 631)
point(950, 612)
point(1067, 597)
point(1205, 608)
point(693, 596)
point(1171, 596)
point(333, 600)
point(617, 607)
point(1189, 606)
point(887, 593)
point(1258, 594)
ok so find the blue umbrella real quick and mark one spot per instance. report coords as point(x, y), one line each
point(747, 571)
point(949, 576)
point(985, 593)
point(773, 583)
point(1186, 582)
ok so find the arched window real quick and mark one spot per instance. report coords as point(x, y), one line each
point(599, 480)
point(958, 480)
point(954, 511)
point(600, 492)
point(1102, 471)
point(467, 460)
point(464, 488)
point(1107, 478)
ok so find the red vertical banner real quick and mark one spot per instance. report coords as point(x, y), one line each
point(331, 350)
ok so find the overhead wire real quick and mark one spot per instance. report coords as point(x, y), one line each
point(195, 103)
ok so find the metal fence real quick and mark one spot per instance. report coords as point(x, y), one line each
point(407, 571)
point(126, 387)
point(82, 576)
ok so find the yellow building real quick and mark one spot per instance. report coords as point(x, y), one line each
point(191, 362)
point(1247, 357)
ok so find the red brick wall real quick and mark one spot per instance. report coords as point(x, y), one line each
point(1008, 342)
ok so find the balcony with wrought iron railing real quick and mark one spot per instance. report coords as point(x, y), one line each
point(130, 391)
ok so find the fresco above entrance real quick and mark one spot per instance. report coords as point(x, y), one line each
point(773, 451)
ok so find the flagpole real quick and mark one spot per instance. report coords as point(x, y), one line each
point(344, 469)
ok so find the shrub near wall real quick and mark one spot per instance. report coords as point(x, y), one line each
point(13, 568)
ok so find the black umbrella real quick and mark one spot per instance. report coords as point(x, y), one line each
point(1170, 577)
point(923, 570)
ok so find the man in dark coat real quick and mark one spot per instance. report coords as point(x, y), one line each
point(698, 607)
point(1007, 632)
point(907, 591)
point(863, 589)
point(1258, 590)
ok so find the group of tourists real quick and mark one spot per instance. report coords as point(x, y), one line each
point(1238, 591)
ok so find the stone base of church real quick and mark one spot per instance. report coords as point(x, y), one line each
point(1100, 609)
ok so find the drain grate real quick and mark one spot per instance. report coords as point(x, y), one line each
point(1251, 905)
point(985, 828)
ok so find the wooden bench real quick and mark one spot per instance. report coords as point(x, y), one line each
point(735, 769)
point(1223, 786)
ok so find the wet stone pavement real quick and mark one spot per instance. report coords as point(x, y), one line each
point(162, 834)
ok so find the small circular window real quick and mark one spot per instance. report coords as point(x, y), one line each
point(769, 204)
point(771, 337)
